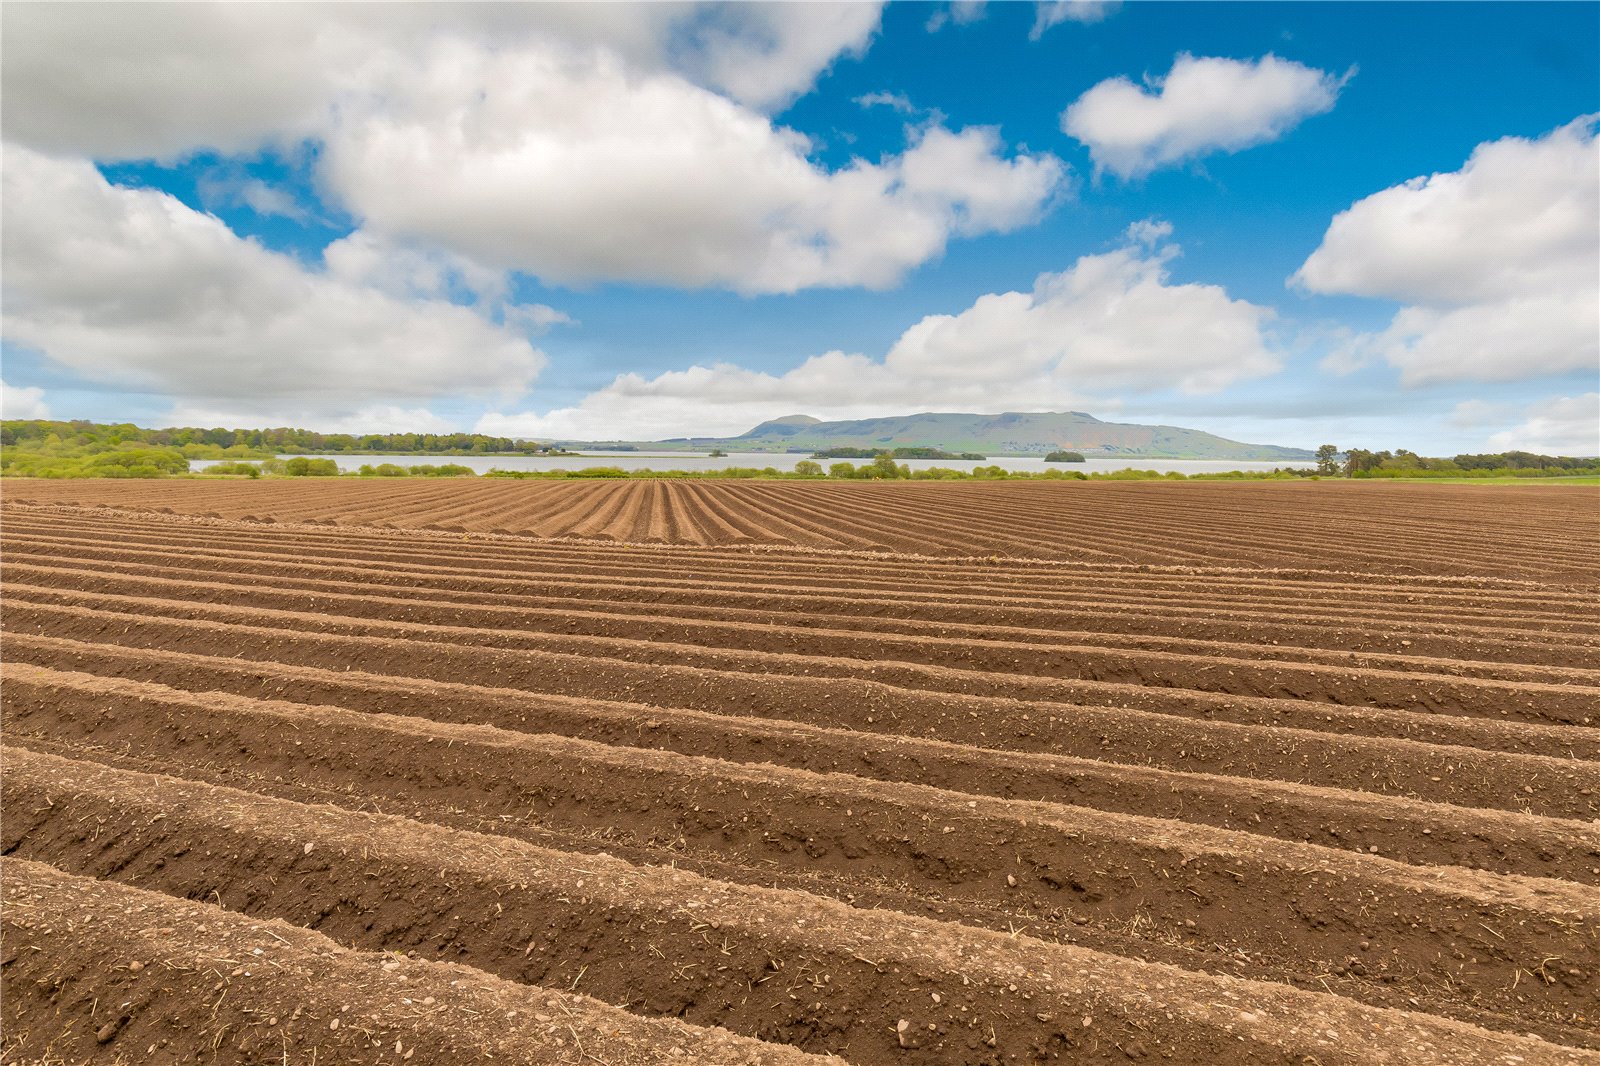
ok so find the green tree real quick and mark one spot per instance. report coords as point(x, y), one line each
point(808, 468)
point(883, 466)
point(1328, 460)
point(1358, 462)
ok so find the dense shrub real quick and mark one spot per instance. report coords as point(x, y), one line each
point(1129, 475)
point(136, 462)
point(419, 470)
point(302, 466)
point(17, 461)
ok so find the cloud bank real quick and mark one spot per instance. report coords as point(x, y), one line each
point(159, 79)
point(1111, 321)
point(581, 171)
point(1497, 264)
point(580, 144)
point(1564, 425)
point(576, 143)
point(22, 402)
point(131, 287)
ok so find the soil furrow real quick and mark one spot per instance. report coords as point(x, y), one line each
point(1277, 634)
point(721, 625)
point(854, 570)
point(905, 565)
point(1407, 830)
point(778, 965)
point(1462, 776)
point(1019, 669)
point(100, 971)
point(968, 773)
point(1185, 881)
point(1387, 528)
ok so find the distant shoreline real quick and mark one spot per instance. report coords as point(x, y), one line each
point(454, 453)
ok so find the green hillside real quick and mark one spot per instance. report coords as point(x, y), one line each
point(1013, 433)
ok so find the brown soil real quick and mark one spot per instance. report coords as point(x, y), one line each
point(1521, 530)
point(1264, 798)
point(104, 972)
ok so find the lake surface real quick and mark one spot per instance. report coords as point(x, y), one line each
point(780, 461)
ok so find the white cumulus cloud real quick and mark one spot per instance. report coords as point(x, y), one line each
point(18, 401)
point(578, 143)
point(1204, 105)
point(162, 78)
point(766, 54)
point(142, 80)
point(578, 169)
point(130, 286)
point(1562, 425)
point(1111, 321)
point(1497, 264)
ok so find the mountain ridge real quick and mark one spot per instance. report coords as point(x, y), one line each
point(1014, 433)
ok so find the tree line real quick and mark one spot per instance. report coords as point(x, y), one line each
point(1361, 463)
point(64, 438)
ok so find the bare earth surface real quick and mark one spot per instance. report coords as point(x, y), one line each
point(627, 772)
point(1545, 532)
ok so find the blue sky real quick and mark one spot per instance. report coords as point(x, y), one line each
point(554, 220)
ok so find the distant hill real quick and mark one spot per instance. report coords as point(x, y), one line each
point(1013, 433)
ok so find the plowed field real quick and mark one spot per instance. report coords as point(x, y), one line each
point(1368, 527)
point(768, 773)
